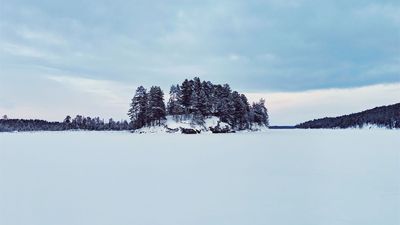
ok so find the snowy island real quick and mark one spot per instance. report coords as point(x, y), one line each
point(195, 107)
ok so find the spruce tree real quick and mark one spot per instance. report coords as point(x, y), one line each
point(138, 111)
point(156, 106)
point(222, 102)
point(246, 117)
point(67, 120)
point(186, 96)
point(207, 89)
point(198, 99)
point(174, 106)
point(260, 113)
point(238, 111)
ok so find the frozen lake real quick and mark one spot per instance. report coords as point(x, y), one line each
point(282, 177)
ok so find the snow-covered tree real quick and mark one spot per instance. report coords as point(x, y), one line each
point(197, 100)
point(222, 102)
point(186, 96)
point(246, 117)
point(156, 105)
point(260, 113)
point(207, 88)
point(77, 122)
point(112, 125)
point(138, 110)
point(174, 106)
point(67, 120)
point(238, 114)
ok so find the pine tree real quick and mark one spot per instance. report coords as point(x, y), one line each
point(174, 106)
point(222, 102)
point(138, 111)
point(186, 96)
point(207, 88)
point(77, 122)
point(260, 113)
point(246, 117)
point(202, 103)
point(67, 120)
point(112, 125)
point(156, 105)
point(238, 111)
point(198, 99)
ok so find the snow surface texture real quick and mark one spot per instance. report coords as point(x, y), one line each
point(279, 177)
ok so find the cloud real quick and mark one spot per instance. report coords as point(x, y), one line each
point(290, 108)
point(41, 36)
point(382, 10)
point(96, 48)
point(105, 91)
point(54, 96)
point(255, 45)
point(25, 51)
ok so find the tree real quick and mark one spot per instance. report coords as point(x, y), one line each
point(67, 120)
point(5, 117)
point(246, 117)
point(112, 125)
point(239, 117)
point(174, 106)
point(222, 102)
point(198, 100)
point(260, 113)
point(124, 125)
point(207, 88)
point(186, 96)
point(138, 111)
point(156, 105)
point(77, 122)
point(97, 124)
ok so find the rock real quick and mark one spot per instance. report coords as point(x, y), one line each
point(218, 130)
point(170, 130)
point(189, 131)
point(221, 130)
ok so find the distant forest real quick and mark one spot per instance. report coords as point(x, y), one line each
point(193, 99)
point(385, 116)
point(77, 123)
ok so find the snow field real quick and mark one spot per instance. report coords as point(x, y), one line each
point(280, 177)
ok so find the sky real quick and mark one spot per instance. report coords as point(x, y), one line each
point(308, 59)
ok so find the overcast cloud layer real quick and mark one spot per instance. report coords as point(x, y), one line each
point(48, 48)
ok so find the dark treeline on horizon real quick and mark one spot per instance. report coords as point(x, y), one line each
point(77, 123)
point(384, 116)
point(197, 100)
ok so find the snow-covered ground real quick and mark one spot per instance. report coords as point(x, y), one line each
point(172, 125)
point(291, 177)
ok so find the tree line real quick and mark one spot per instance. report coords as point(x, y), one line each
point(78, 123)
point(197, 100)
point(384, 116)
